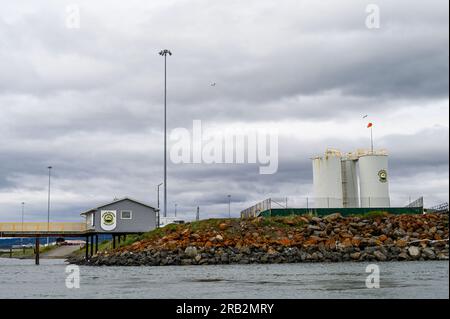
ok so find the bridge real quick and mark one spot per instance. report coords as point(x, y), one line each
point(42, 230)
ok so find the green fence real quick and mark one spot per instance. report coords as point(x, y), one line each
point(342, 211)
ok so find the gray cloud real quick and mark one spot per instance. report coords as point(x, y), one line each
point(89, 100)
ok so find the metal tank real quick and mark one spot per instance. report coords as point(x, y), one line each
point(374, 180)
point(327, 180)
point(350, 196)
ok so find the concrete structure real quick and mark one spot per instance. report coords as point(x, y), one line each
point(373, 180)
point(358, 179)
point(123, 216)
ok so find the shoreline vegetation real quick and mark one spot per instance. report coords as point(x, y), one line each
point(294, 239)
point(27, 253)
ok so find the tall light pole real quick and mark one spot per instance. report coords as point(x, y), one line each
point(48, 202)
point(229, 206)
point(159, 213)
point(158, 186)
point(164, 53)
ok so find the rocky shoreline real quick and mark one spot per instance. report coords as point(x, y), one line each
point(294, 239)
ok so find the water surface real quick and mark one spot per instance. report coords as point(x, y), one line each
point(23, 279)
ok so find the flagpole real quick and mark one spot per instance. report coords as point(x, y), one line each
point(371, 139)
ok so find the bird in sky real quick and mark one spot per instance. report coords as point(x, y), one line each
point(365, 116)
point(213, 84)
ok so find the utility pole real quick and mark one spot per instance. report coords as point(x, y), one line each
point(164, 53)
point(48, 203)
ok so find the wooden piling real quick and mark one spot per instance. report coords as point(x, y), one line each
point(92, 245)
point(37, 248)
point(96, 243)
point(87, 247)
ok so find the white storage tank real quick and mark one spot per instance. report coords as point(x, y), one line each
point(374, 180)
point(349, 183)
point(327, 180)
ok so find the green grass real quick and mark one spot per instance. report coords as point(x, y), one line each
point(372, 215)
point(212, 223)
point(281, 221)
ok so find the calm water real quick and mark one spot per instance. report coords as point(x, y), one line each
point(22, 279)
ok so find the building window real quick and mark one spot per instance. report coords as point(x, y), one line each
point(125, 214)
point(90, 220)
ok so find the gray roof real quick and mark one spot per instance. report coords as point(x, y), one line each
point(117, 201)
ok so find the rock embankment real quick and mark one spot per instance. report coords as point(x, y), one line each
point(286, 240)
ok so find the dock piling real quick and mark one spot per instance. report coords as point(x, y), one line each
point(87, 247)
point(92, 245)
point(37, 248)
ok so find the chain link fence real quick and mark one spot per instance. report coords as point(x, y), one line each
point(329, 202)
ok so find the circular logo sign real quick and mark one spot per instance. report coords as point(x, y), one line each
point(382, 174)
point(108, 218)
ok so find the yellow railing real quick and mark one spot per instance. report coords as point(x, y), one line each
point(42, 227)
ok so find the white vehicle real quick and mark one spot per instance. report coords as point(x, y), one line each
point(164, 221)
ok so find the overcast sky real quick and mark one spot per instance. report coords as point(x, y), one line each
point(89, 100)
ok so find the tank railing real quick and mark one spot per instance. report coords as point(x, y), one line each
point(254, 210)
point(416, 203)
point(339, 202)
point(310, 202)
point(441, 208)
point(279, 204)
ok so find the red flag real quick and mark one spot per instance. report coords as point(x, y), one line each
point(369, 125)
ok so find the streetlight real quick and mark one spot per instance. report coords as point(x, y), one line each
point(164, 53)
point(159, 218)
point(157, 186)
point(229, 206)
point(48, 203)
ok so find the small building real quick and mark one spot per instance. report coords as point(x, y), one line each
point(122, 216)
